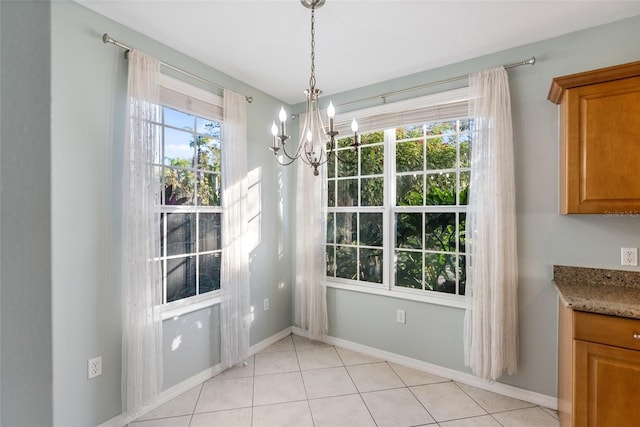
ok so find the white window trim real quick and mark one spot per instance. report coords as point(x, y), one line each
point(190, 90)
point(447, 300)
point(189, 305)
point(190, 99)
point(386, 288)
point(422, 102)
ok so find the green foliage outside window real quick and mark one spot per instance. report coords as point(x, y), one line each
point(199, 175)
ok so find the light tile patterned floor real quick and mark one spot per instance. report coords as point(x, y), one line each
point(297, 382)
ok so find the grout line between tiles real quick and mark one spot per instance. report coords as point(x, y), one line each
point(368, 409)
point(422, 404)
point(193, 411)
point(470, 397)
point(304, 385)
point(496, 420)
point(253, 389)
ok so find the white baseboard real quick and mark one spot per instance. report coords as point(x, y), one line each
point(165, 396)
point(117, 421)
point(546, 401)
point(257, 348)
point(186, 385)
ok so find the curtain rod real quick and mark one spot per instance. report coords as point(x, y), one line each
point(107, 39)
point(530, 61)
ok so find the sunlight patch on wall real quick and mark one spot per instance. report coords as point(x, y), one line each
point(254, 208)
point(280, 216)
point(176, 342)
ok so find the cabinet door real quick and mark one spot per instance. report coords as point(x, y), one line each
point(600, 157)
point(607, 385)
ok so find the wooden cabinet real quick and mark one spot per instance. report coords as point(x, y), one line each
point(599, 140)
point(598, 370)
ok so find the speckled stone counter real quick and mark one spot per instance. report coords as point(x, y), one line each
point(612, 292)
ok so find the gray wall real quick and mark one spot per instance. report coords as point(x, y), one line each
point(25, 228)
point(434, 333)
point(89, 89)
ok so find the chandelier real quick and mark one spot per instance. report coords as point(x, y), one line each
point(316, 145)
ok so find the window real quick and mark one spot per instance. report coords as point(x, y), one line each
point(190, 210)
point(397, 205)
point(431, 187)
point(356, 209)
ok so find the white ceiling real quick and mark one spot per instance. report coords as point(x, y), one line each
point(266, 43)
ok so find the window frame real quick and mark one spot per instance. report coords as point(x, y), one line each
point(388, 286)
point(184, 97)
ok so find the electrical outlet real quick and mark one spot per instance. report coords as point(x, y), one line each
point(629, 256)
point(266, 304)
point(401, 316)
point(94, 367)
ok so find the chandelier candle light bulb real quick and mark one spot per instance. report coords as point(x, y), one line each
point(331, 113)
point(283, 118)
point(354, 128)
point(309, 143)
point(274, 132)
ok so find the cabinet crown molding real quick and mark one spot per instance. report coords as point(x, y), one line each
point(601, 75)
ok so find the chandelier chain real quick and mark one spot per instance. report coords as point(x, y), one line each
point(312, 79)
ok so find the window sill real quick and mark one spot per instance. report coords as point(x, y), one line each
point(447, 300)
point(180, 308)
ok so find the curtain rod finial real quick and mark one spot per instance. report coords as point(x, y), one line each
point(105, 38)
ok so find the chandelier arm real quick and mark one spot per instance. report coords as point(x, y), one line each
point(291, 159)
point(333, 151)
point(285, 163)
point(295, 156)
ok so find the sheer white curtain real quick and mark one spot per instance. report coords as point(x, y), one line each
point(310, 307)
point(490, 326)
point(141, 288)
point(234, 280)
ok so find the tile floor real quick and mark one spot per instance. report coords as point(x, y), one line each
point(297, 382)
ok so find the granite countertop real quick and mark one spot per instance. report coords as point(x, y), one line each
point(611, 292)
